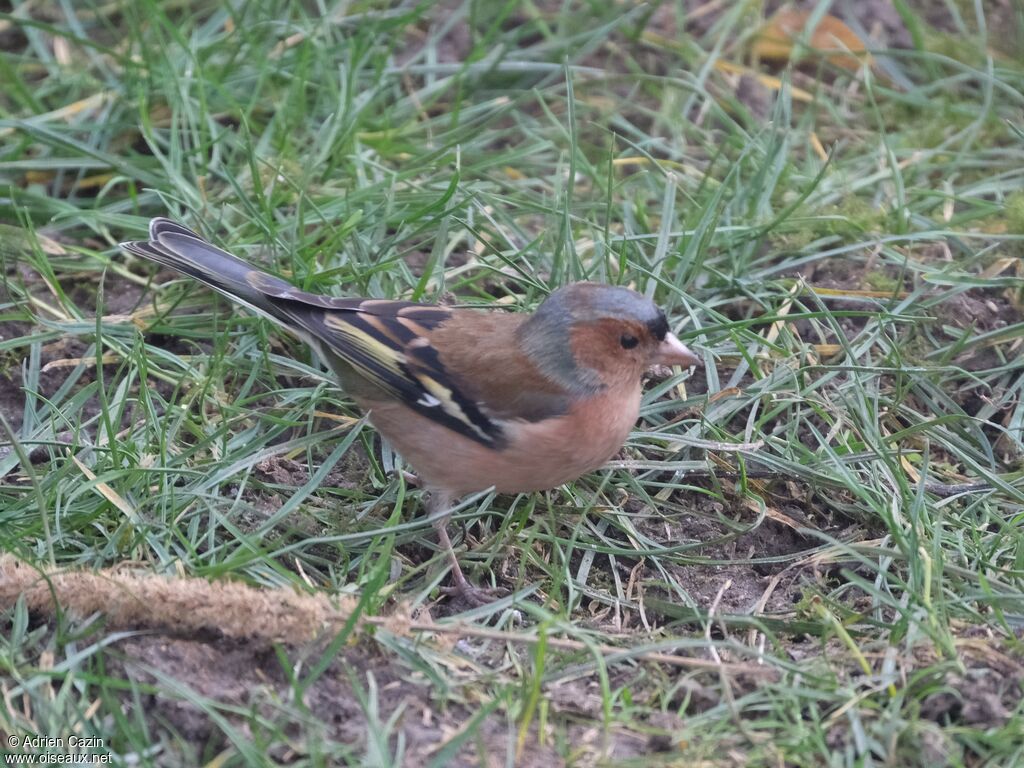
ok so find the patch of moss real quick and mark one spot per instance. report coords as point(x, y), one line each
point(1015, 213)
point(914, 126)
point(880, 281)
point(957, 47)
point(855, 215)
point(793, 241)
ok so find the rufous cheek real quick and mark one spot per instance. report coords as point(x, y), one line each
point(598, 346)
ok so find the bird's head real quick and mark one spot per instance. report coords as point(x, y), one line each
point(588, 335)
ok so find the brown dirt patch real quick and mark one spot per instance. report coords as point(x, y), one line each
point(121, 296)
point(231, 673)
point(746, 588)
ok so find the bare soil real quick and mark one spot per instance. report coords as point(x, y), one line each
point(253, 678)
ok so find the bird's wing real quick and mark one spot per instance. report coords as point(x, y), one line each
point(387, 343)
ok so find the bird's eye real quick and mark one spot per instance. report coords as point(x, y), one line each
point(628, 342)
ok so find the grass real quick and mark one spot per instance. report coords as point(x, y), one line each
point(837, 500)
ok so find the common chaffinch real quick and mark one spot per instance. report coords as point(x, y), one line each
point(471, 399)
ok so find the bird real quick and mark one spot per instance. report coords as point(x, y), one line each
point(472, 399)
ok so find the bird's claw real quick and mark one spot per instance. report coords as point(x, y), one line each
point(475, 596)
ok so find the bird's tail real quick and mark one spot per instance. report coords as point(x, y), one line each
point(183, 250)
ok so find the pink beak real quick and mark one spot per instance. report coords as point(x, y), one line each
point(673, 352)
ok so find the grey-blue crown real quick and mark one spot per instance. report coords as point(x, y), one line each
point(586, 302)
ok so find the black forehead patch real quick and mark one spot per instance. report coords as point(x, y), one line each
point(658, 326)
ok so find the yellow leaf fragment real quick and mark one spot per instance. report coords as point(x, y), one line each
point(106, 491)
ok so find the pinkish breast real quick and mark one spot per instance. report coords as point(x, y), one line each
point(538, 456)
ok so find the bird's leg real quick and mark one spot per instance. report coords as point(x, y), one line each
point(439, 506)
point(462, 584)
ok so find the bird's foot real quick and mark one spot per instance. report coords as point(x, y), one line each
point(475, 596)
point(463, 589)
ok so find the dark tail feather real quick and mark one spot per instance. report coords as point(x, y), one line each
point(183, 250)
